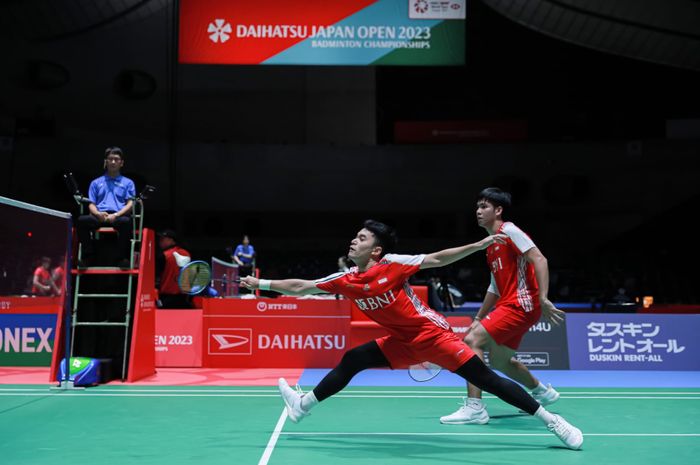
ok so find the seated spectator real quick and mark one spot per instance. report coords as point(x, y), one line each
point(621, 297)
point(244, 257)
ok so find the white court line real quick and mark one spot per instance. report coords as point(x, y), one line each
point(631, 397)
point(95, 394)
point(328, 433)
point(296, 317)
point(273, 439)
point(368, 396)
point(359, 391)
point(175, 391)
point(346, 396)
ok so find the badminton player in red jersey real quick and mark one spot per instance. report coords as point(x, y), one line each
point(378, 284)
point(518, 291)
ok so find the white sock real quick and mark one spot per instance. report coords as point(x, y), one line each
point(544, 415)
point(308, 401)
point(475, 402)
point(540, 388)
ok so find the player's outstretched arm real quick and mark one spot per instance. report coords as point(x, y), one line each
point(449, 256)
point(283, 286)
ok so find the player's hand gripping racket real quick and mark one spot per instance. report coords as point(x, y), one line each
point(424, 371)
point(194, 277)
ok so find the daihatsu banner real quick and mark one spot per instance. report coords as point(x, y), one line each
point(322, 32)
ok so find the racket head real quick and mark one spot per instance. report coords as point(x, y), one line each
point(424, 371)
point(194, 277)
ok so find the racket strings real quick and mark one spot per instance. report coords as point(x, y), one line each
point(424, 371)
point(195, 277)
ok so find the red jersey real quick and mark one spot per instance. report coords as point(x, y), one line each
point(383, 293)
point(168, 279)
point(44, 278)
point(512, 276)
point(58, 276)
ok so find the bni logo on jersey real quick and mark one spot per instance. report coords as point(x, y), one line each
point(437, 9)
point(230, 341)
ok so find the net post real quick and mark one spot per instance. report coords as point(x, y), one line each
point(224, 278)
point(66, 384)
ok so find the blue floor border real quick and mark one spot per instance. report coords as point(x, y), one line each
point(558, 378)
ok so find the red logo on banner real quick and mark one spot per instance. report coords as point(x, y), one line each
point(230, 341)
point(231, 32)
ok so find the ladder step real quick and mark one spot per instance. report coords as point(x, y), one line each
point(98, 296)
point(97, 323)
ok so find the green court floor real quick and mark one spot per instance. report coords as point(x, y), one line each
point(239, 426)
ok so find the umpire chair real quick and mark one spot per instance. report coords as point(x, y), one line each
point(103, 296)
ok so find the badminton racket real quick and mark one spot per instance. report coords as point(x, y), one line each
point(424, 371)
point(194, 277)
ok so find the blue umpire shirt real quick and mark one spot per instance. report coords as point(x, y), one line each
point(111, 194)
point(248, 250)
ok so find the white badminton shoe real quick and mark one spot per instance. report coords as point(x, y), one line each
point(467, 414)
point(546, 397)
point(292, 400)
point(571, 436)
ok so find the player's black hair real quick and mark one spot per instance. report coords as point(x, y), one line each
point(385, 235)
point(496, 197)
point(114, 151)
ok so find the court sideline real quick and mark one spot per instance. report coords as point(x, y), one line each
point(116, 424)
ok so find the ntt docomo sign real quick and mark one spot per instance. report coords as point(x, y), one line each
point(284, 333)
point(264, 306)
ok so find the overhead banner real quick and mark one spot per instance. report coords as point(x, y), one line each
point(322, 32)
point(618, 341)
